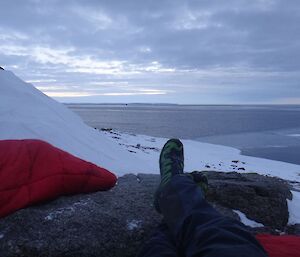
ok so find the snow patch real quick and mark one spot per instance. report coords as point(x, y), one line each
point(1, 236)
point(64, 211)
point(294, 208)
point(133, 224)
point(248, 222)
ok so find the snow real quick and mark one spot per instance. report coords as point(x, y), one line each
point(294, 208)
point(66, 211)
point(133, 224)
point(26, 113)
point(248, 222)
point(202, 156)
point(63, 211)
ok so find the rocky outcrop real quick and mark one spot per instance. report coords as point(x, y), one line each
point(1, 68)
point(116, 223)
point(262, 198)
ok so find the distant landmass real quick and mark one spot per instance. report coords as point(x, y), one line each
point(118, 104)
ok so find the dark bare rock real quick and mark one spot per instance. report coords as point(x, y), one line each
point(1, 68)
point(117, 222)
point(111, 223)
point(262, 198)
point(293, 229)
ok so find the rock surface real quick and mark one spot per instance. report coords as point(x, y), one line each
point(117, 222)
point(262, 198)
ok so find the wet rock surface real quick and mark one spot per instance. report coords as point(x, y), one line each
point(117, 222)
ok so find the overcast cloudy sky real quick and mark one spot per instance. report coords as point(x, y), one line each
point(167, 51)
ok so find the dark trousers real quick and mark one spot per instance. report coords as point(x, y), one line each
point(192, 227)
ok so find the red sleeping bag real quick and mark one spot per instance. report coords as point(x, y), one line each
point(32, 171)
point(280, 246)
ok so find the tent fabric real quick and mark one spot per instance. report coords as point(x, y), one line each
point(280, 246)
point(33, 171)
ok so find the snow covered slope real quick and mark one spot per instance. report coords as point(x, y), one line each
point(25, 113)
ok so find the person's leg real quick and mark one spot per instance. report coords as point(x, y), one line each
point(160, 244)
point(197, 228)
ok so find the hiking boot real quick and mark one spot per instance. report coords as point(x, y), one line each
point(171, 162)
point(201, 180)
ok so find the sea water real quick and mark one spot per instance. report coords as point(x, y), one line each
point(268, 131)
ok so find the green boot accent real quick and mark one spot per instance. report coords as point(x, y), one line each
point(201, 180)
point(171, 163)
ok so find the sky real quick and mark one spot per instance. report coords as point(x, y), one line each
point(155, 51)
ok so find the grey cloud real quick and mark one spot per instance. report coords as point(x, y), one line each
point(189, 37)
